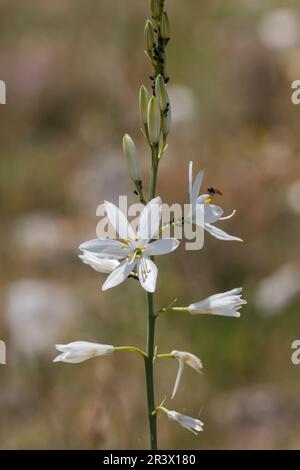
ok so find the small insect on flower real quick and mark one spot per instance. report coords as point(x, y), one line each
point(213, 191)
point(80, 351)
point(210, 213)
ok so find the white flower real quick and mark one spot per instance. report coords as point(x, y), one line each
point(227, 304)
point(101, 265)
point(208, 213)
point(135, 249)
point(80, 351)
point(192, 424)
point(185, 358)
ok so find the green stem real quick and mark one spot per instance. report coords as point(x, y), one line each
point(159, 67)
point(149, 372)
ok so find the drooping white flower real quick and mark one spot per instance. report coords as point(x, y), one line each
point(135, 249)
point(101, 265)
point(227, 304)
point(185, 358)
point(80, 351)
point(192, 424)
point(208, 213)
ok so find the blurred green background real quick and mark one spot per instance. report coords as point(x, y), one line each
point(73, 70)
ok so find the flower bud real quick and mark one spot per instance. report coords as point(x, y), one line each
point(155, 6)
point(161, 93)
point(143, 102)
point(149, 36)
point(164, 26)
point(154, 120)
point(132, 158)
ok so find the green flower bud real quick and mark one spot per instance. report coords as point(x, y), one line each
point(164, 26)
point(161, 93)
point(155, 6)
point(154, 120)
point(143, 102)
point(132, 158)
point(149, 36)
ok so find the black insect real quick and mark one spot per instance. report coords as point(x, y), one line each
point(213, 191)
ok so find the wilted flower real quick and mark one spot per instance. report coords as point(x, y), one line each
point(227, 304)
point(101, 265)
point(192, 424)
point(211, 212)
point(185, 358)
point(135, 249)
point(80, 351)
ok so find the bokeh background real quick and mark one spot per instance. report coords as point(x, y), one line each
point(73, 70)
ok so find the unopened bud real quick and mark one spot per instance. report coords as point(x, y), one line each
point(143, 102)
point(155, 6)
point(164, 26)
point(161, 92)
point(154, 120)
point(149, 36)
point(132, 158)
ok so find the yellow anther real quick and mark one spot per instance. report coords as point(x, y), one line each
point(142, 248)
point(123, 247)
point(129, 256)
point(138, 256)
point(208, 200)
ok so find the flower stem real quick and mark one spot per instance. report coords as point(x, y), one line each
point(158, 61)
point(131, 348)
point(149, 372)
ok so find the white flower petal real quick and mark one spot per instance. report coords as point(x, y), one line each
point(147, 272)
point(190, 359)
point(226, 304)
point(212, 213)
point(105, 247)
point(119, 221)
point(79, 351)
point(101, 265)
point(161, 247)
point(192, 424)
point(220, 234)
point(228, 216)
point(178, 377)
point(194, 187)
point(150, 219)
point(119, 274)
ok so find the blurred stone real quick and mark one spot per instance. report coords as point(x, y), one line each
point(280, 29)
point(277, 290)
point(40, 233)
point(183, 104)
point(38, 314)
point(102, 177)
point(253, 417)
point(293, 197)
